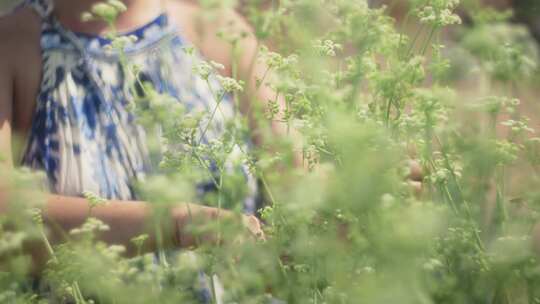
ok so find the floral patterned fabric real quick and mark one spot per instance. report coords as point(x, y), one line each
point(83, 135)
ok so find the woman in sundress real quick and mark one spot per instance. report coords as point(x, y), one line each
point(63, 89)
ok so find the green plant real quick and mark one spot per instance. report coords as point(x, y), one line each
point(350, 229)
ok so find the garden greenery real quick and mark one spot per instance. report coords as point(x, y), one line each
point(366, 98)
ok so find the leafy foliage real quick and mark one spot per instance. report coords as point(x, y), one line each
point(366, 98)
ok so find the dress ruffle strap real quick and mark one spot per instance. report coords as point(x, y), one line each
point(43, 8)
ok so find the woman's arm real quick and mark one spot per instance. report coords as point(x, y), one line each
point(129, 219)
point(251, 70)
point(240, 63)
point(125, 219)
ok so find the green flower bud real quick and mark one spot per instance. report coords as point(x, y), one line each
point(105, 11)
point(86, 16)
point(118, 5)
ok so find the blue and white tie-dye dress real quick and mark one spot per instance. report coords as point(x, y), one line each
point(83, 134)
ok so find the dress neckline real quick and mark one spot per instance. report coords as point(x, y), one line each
point(140, 32)
point(145, 34)
point(56, 35)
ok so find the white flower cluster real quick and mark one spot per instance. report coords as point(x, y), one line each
point(275, 61)
point(91, 226)
point(439, 13)
point(230, 84)
point(327, 47)
point(205, 69)
point(518, 126)
point(119, 43)
point(93, 199)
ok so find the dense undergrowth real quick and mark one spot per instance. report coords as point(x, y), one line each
point(366, 99)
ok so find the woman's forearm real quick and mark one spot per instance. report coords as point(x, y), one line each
point(178, 225)
point(129, 219)
point(126, 219)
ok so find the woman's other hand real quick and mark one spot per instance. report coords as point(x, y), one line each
point(415, 176)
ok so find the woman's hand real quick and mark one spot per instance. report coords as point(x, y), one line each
point(190, 221)
point(254, 227)
point(415, 176)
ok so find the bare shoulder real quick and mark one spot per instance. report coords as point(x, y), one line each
point(19, 36)
point(203, 29)
point(20, 62)
point(19, 41)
